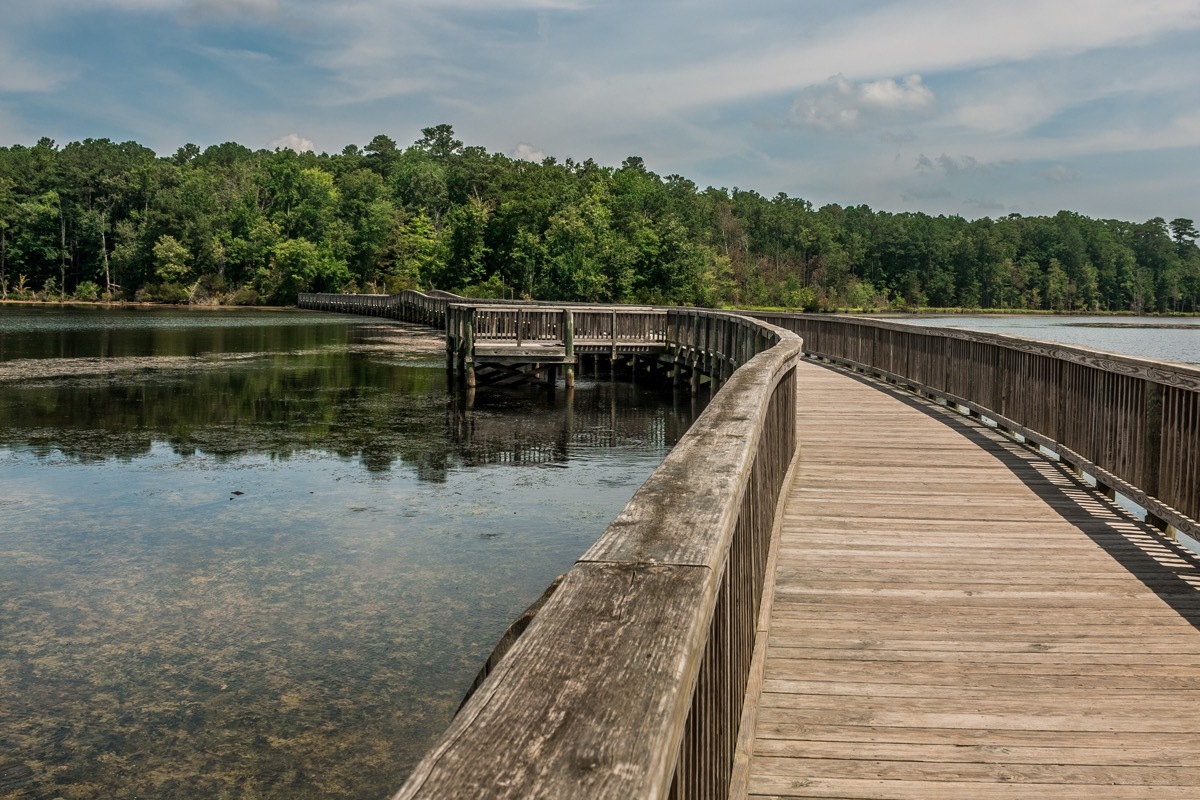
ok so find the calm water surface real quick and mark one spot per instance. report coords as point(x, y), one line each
point(262, 554)
point(1164, 338)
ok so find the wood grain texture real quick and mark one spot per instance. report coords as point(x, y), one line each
point(955, 616)
point(553, 719)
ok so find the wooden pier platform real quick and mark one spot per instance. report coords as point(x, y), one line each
point(957, 617)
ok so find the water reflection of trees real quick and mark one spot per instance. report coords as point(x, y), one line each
point(350, 404)
point(97, 332)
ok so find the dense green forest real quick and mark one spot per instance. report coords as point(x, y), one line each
point(101, 220)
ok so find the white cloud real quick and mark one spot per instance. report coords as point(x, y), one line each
point(361, 7)
point(23, 67)
point(933, 193)
point(292, 141)
point(1014, 99)
point(499, 5)
point(953, 165)
point(13, 128)
point(963, 164)
point(252, 58)
point(1127, 134)
point(527, 152)
point(203, 9)
point(841, 106)
point(1060, 174)
point(985, 205)
point(153, 6)
point(917, 36)
point(1012, 109)
point(898, 138)
point(20, 75)
point(364, 90)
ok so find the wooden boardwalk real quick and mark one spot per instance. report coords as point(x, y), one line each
point(955, 616)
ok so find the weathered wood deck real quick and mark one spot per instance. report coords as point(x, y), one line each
point(957, 617)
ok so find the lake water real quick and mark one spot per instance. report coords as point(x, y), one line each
point(1164, 338)
point(251, 554)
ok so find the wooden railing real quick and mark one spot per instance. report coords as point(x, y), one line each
point(545, 323)
point(712, 345)
point(1131, 423)
point(629, 681)
point(408, 306)
point(517, 324)
point(619, 324)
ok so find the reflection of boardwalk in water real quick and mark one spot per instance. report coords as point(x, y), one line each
point(591, 418)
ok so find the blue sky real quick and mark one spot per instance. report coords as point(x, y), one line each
point(943, 106)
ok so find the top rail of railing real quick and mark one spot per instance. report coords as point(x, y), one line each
point(593, 321)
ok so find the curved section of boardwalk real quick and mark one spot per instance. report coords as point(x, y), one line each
point(956, 617)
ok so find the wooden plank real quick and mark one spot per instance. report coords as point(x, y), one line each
point(991, 751)
point(874, 789)
point(777, 736)
point(833, 664)
point(868, 688)
point(1043, 711)
point(1011, 771)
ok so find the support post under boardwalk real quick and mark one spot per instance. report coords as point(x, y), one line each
point(568, 336)
point(469, 347)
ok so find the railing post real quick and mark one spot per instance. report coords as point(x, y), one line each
point(613, 329)
point(451, 343)
point(694, 381)
point(568, 335)
point(1152, 436)
point(673, 342)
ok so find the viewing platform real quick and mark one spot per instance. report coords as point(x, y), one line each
point(510, 344)
point(885, 562)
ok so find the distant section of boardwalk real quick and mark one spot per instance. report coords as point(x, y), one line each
point(956, 617)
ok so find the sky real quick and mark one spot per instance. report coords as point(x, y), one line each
point(942, 106)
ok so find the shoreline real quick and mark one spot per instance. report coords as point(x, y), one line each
point(877, 314)
point(138, 304)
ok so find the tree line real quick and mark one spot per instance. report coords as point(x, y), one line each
point(102, 220)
